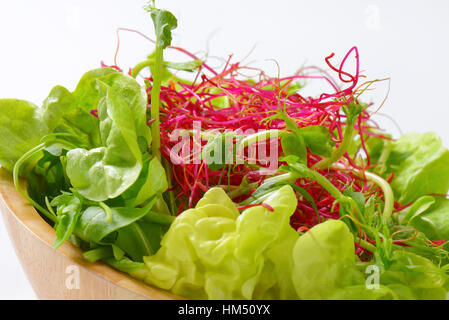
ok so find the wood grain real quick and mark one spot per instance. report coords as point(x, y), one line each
point(53, 274)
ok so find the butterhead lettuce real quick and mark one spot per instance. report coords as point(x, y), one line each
point(214, 252)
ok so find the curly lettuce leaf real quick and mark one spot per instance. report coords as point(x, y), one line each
point(324, 264)
point(70, 112)
point(421, 166)
point(414, 277)
point(325, 268)
point(23, 124)
point(213, 252)
point(64, 113)
point(430, 215)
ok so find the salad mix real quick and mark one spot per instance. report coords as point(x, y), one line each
point(231, 187)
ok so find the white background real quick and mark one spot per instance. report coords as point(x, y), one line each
point(49, 42)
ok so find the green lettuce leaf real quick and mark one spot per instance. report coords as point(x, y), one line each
point(95, 224)
point(325, 268)
point(64, 113)
point(68, 210)
point(152, 180)
point(324, 264)
point(140, 239)
point(430, 215)
point(21, 128)
point(414, 277)
point(107, 171)
point(421, 166)
point(318, 140)
point(213, 252)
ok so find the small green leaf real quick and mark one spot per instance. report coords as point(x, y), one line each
point(140, 239)
point(98, 254)
point(295, 165)
point(189, 66)
point(68, 211)
point(164, 22)
point(292, 145)
point(306, 196)
point(318, 140)
point(118, 253)
point(352, 111)
point(292, 142)
point(135, 269)
point(358, 198)
point(160, 218)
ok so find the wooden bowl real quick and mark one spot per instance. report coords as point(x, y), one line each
point(62, 273)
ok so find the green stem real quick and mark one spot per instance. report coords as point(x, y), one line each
point(384, 186)
point(259, 136)
point(286, 177)
point(107, 210)
point(279, 178)
point(348, 136)
point(155, 102)
point(50, 209)
point(368, 246)
point(254, 138)
point(326, 184)
point(171, 195)
point(312, 174)
point(347, 139)
point(140, 66)
point(388, 194)
point(381, 164)
point(98, 254)
point(333, 191)
point(16, 172)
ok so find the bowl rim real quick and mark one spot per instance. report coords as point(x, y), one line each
point(23, 211)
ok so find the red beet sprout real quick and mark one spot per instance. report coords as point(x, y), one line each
point(223, 101)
